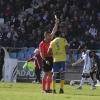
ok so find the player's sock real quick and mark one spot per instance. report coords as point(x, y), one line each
point(53, 82)
point(91, 81)
point(82, 81)
point(43, 83)
point(62, 81)
point(48, 80)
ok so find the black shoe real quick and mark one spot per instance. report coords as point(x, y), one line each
point(54, 91)
point(48, 91)
point(61, 91)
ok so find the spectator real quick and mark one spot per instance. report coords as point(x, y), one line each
point(39, 38)
point(90, 21)
point(2, 34)
point(83, 22)
point(6, 42)
point(28, 27)
point(93, 30)
point(98, 23)
point(67, 21)
point(70, 32)
point(7, 27)
point(12, 34)
point(74, 44)
point(23, 36)
point(79, 32)
point(15, 43)
point(9, 11)
point(92, 45)
point(14, 22)
point(86, 37)
point(2, 6)
point(41, 27)
point(63, 28)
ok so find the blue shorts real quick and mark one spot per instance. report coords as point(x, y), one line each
point(59, 67)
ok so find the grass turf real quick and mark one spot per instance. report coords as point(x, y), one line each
point(29, 91)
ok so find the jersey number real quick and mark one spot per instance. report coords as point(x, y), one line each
point(57, 44)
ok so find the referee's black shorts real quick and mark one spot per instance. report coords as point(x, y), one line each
point(47, 67)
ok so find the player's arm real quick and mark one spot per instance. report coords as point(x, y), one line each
point(55, 28)
point(77, 62)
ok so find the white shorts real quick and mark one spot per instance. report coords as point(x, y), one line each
point(86, 70)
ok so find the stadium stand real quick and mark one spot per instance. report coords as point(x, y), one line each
point(30, 18)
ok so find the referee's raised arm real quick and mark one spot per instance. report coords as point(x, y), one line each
point(55, 28)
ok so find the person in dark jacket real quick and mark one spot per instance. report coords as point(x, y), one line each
point(2, 54)
point(37, 64)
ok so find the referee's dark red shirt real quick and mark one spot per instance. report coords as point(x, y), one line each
point(43, 46)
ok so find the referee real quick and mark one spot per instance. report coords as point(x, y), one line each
point(2, 54)
point(47, 59)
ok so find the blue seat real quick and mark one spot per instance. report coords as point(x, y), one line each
point(20, 56)
point(13, 55)
point(75, 57)
point(79, 56)
point(31, 50)
point(24, 49)
point(28, 55)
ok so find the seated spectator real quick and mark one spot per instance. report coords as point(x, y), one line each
point(93, 30)
point(63, 28)
point(7, 27)
point(14, 22)
point(21, 26)
point(79, 32)
point(73, 8)
point(27, 14)
point(15, 44)
point(6, 42)
point(2, 34)
point(90, 21)
point(64, 35)
point(70, 32)
point(74, 44)
point(92, 45)
point(39, 38)
point(32, 36)
point(86, 36)
point(67, 21)
point(83, 22)
point(2, 7)
point(41, 27)
point(9, 11)
point(23, 36)
point(12, 34)
point(28, 27)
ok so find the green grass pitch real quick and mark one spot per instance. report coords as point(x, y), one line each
point(29, 91)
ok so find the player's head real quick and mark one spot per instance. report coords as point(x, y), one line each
point(58, 34)
point(47, 35)
point(36, 51)
point(82, 48)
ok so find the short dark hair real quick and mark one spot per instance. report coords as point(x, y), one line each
point(81, 47)
point(46, 32)
point(57, 33)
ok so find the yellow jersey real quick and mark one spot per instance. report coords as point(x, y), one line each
point(58, 49)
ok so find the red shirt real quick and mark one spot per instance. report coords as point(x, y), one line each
point(37, 61)
point(43, 46)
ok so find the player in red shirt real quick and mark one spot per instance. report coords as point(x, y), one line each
point(37, 64)
point(47, 59)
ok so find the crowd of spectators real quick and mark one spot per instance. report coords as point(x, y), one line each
point(79, 22)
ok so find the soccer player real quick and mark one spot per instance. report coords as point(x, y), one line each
point(58, 48)
point(96, 63)
point(86, 57)
point(47, 59)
